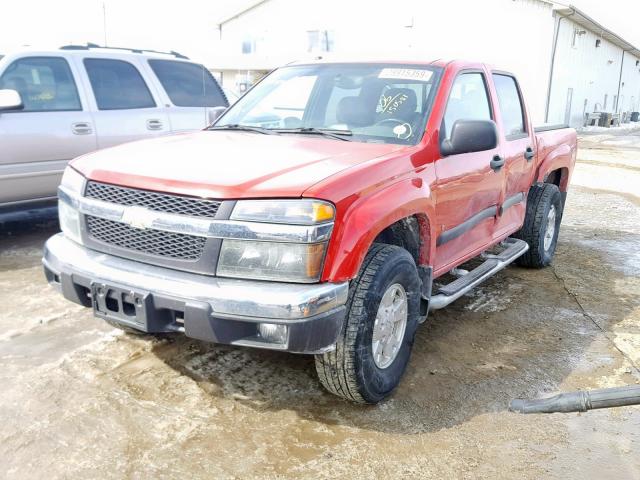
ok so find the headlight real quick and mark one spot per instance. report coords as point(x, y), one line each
point(285, 262)
point(296, 212)
point(265, 260)
point(73, 183)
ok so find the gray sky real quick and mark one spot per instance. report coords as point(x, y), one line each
point(189, 26)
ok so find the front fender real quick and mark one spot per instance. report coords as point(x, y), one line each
point(369, 215)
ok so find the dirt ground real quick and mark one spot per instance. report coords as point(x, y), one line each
point(81, 400)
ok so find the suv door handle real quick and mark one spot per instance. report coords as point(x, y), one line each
point(154, 124)
point(81, 128)
point(529, 153)
point(496, 163)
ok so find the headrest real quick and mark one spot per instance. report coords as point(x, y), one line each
point(355, 111)
point(399, 103)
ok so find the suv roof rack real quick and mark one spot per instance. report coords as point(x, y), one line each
point(90, 46)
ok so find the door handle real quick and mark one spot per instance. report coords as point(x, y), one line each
point(81, 128)
point(496, 163)
point(154, 124)
point(529, 153)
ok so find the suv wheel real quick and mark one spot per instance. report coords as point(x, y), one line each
point(541, 225)
point(375, 344)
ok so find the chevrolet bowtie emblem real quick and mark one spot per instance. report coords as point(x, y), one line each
point(138, 217)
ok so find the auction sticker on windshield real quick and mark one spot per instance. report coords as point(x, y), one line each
point(406, 74)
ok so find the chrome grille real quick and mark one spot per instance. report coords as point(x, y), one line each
point(148, 241)
point(160, 202)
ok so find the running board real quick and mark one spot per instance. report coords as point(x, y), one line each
point(494, 263)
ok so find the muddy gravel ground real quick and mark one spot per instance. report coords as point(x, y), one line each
point(82, 400)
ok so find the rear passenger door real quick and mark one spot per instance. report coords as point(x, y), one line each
point(54, 126)
point(125, 108)
point(517, 149)
point(191, 93)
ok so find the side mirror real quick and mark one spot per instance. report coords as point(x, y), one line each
point(10, 100)
point(215, 113)
point(470, 136)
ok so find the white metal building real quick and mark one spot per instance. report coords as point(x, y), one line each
point(592, 70)
point(567, 63)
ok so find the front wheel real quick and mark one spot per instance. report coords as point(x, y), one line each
point(541, 225)
point(375, 344)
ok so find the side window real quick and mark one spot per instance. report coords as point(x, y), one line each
point(510, 105)
point(468, 100)
point(117, 85)
point(44, 83)
point(188, 84)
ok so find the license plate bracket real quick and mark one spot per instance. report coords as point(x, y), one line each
point(122, 305)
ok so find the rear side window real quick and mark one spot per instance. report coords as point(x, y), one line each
point(44, 83)
point(468, 100)
point(117, 85)
point(510, 106)
point(188, 84)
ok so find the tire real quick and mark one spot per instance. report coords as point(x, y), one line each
point(541, 200)
point(350, 371)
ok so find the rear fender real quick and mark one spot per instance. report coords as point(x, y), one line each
point(562, 157)
point(370, 215)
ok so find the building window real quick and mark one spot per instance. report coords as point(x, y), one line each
point(576, 33)
point(248, 45)
point(320, 41)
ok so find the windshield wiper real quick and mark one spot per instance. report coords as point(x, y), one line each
point(327, 132)
point(243, 128)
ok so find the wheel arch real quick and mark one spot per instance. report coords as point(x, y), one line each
point(556, 167)
point(402, 214)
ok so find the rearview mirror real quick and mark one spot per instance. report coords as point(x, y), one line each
point(215, 113)
point(470, 136)
point(10, 100)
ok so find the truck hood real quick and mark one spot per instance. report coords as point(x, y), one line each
point(227, 165)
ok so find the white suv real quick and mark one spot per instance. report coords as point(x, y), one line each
point(57, 105)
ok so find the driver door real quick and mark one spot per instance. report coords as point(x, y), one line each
point(468, 189)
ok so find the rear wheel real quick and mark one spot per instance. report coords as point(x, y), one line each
point(375, 344)
point(541, 225)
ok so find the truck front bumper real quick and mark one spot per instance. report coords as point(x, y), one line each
point(156, 299)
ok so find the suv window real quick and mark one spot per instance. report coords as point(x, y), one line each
point(44, 83)
point(188, 84)
point(117, 85)
point(468, 100)
point(510, 105)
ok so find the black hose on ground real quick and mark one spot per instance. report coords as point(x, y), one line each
point(579, 401)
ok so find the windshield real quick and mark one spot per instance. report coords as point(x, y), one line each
point(369, 102)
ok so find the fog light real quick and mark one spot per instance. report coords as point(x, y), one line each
point(272, 333)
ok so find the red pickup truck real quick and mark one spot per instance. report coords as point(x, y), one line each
point(326, 212)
